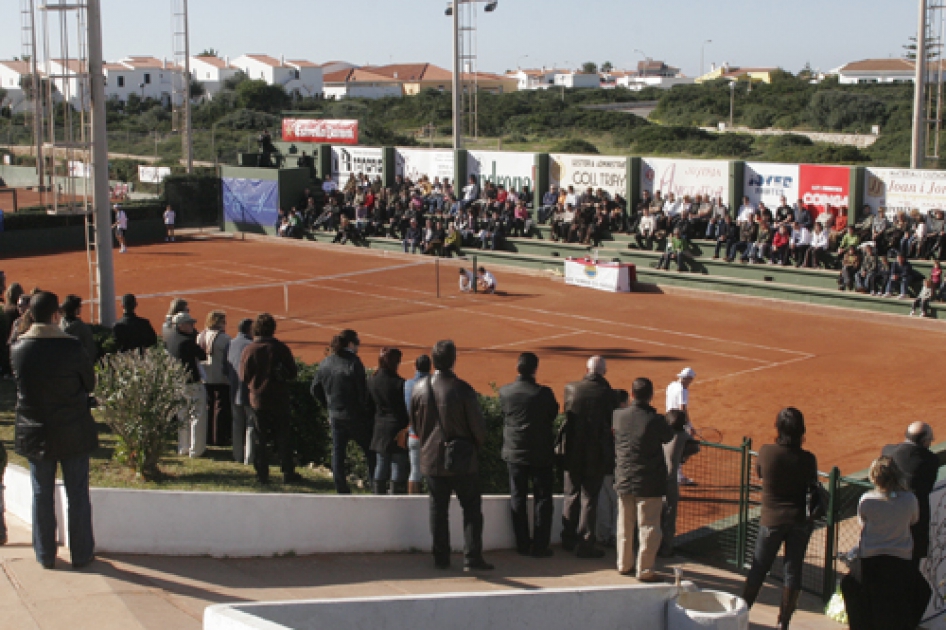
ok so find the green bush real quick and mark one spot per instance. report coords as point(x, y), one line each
point(309, 425)
point(574, 145)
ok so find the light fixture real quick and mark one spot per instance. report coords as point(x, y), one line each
point(491, 6)
point(449, 10)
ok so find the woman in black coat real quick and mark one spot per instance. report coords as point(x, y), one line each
point(386, 401)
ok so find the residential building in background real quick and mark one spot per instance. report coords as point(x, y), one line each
point(545, 78)
point(417, 77)
point(295, 76)
point(875, 71)
point(212, 71)
point(11, 73)
point(360, 83)
point(736, 73)
point(148, 77)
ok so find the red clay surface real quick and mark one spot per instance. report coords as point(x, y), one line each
point(860, 378)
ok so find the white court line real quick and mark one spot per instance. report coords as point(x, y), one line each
point(522, 341)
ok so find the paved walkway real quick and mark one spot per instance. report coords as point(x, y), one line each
point(160, 593)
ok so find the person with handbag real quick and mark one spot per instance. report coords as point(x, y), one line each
point(446, 416)
point(387, 406)
point(788, 473)
point(885, 590)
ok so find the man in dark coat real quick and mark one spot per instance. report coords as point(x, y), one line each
point(919, 467)
point(182, 345)
point(54, 378)
point(244, 427)
point(445, 409)
point(529, 412)
point(267, 368)
point(133, 332)
point(589, 455)
point(640, 479)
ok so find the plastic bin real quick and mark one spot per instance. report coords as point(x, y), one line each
point(707, 609)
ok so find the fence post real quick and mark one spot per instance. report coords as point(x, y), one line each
point(744, 478)
point(831, 536)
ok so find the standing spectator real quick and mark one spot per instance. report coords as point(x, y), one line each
point(388, 408)
point(178, 305)
point(121, 227)
point(169, 218)
point(786, 470)
point(919, 467)
point(3, 469)
point(678, 397)
point(267, 368)
point(215, 342)
point(640, 479)
point(341, 387)
point(182, 345)
point(529, 412)
point(244, 427)
point(421, 371)
point(891, 593)
point(673, 453)
point(589, 455)
point(72, 324)
point(9, 314)
point(133, 332)
point(23, 321)
point(445, 412)
point(608, 499)
point(54, 379)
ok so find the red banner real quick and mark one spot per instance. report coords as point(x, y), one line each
point(314, 130)
point(824, 188)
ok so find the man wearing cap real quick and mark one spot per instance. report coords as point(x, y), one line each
point(678, 397)
point(182, 345)
point(54, 428)
point(244, 427)
point(133, 332)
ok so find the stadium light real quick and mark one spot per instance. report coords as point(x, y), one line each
point(449, 12)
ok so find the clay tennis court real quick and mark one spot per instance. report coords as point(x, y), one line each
point(860, 378)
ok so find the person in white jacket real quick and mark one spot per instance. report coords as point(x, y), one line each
point(815, 256)
point(800, 243)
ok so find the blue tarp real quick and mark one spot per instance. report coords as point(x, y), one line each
point(252, 201)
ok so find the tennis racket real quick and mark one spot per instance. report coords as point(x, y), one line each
point(709, 434)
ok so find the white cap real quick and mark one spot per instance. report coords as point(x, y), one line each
point(686, 373)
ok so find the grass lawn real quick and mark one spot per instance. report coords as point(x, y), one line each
point(214, 472)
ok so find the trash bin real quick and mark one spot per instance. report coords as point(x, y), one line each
point(707, 609)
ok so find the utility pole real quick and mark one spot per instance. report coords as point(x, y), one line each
point(188, 145)
point(37, 101)
point(457, 131)
point(918, 148)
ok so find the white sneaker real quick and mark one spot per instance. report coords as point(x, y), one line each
point(912, 313)
point(886, 295)
point(121, 251)
point(902, 296)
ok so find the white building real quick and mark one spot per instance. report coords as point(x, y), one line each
point(358, 83)
point(212, 72)
point(876, 71)
point(577, 80)
point(11, 72)
point(148, 77)
point(637, 83)
point(544, 78)
point(299, 76)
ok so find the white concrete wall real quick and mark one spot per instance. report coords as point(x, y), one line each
point(258, 524)
point(631, 607)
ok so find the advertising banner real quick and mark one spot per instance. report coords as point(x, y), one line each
point(768, 183)
point(413, 163)
point(686, 177)
point(514, 171)
point(153, 174)
point(318, 130)
point(79, 169)
point(822, 187)
point(251, 201)
point(902, 189)
point(608, 173)
point(613, 277)
point(347, 161)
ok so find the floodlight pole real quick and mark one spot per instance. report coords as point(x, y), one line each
point(100, 196)
point(918, 148)
point(457, 132)
point(188, 140)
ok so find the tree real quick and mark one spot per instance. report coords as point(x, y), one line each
point(231, 83)
point(607, 66)
point(260, 96)
point(26, 84)
point(197, 89)
point(209, 52)
point(589, 67)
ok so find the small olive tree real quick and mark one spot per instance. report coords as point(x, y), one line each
point(141, 396)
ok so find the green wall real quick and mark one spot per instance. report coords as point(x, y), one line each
point(62, 239)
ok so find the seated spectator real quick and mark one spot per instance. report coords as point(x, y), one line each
point(412, 238)
point(485, 281)
point(901, 273)
point(727, 234)
point(521, 223)
point(717, 212)
point(850, 264)
point(646, 229)
point(346, 232)
point(452, 242)
point(675, 249)
point(849, 240)
point(747, 235)
point(923, 299)
point(817, 254)
point(935, 235)
point(785, 215)
point(801, 241)
point(936, 278)
point(780, 243)
point(762, 246)
point(549, 201)
point(432, 242)
point(494, 235)
point(913, 244)
point(866, 276)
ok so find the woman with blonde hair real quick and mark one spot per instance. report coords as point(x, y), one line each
point(216, 343)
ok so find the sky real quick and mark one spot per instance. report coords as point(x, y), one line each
point(520, 33)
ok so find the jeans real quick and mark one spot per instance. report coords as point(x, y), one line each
point(392, 467)
point(520, 475)
point(737, 247)
point(341, 435)
point(413, 451)
point(865, 282)
point(467, 489)
point(768, 543)
point(642, 513)
point(758, 251)
point(272, 425)
point(192, 434)
point(411, 247)
point(75, 477)
point(903, 281)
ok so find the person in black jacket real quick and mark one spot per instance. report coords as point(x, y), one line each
point(529, 412)
point(340, 386)
point(182, 345)
point(640, 479)
point(589, 455)
point(388, 407)
point(133, 332)
point(919, 467)
point(54, 379)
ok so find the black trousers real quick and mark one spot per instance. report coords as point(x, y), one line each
point(541, 477)
point(580, 509)
point(892, 595)
point(467, 489)
point(272, 426)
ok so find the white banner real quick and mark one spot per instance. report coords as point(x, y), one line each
point(153, 174)
point(513, 171)
point(597, 171)
point(613, 277)
point(905, 189)
point(686, 177)
point(412, 163)
point(347, 161)
point(79, 169)
point(768, 183)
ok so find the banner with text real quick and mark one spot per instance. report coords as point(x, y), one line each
point(686, 177)
point(614, 277)
point(822, 187)
point(251, 201)
point(413, 163)
point(902, 189)
point(317, 130)
point(768, 183)
point(514, 171)
point(153, 174)
point(608, 173)
point(348, 161)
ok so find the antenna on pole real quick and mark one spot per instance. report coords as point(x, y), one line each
point(181, 79)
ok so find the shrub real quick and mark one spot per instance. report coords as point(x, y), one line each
point(140, 396)
point(574, 145)
point(309, 426)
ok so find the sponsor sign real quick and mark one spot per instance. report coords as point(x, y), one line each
point(900, 189)
point(686, 177)
point(153, 174)
point(79, 169)
point(348, 161)
point(597, 171)
point(412, 163)
point(823, 187)
point(320, 130)
point(514, 171)
point(584, 272)
point(250, 201)
point(768, 183)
